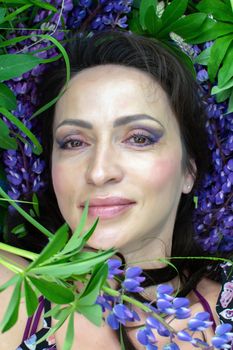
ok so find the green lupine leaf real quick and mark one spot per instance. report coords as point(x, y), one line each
point(203, 57)
point(13, 15)
point(54, 312)
point(68, 269)
point(211, 31)
point(19, 230)
point(14, 65)
point(35, 204)
point(93, 313)
point(53, 291)
point(11, 314)
point(83, 256)
point(9, 283)
point(81, 241)
point(226, 71)
point(186, 26)
point(94, 285)
point(216, 8)
point(73, 241)
point(173, 11)
point(144, 6)
point(2, 13)
point(44, 5)
point(218, 51)
point(30, 298)
point(7, 98)
point(37, 148)
point(69, 334)
point(217, 89)
point(16, 40)
point(55, 245)
point(26, 215)
point(134, 23)
point(6, 142)
point(152, 23)
point(230, 104)
point(62, 318)
point(223, 95)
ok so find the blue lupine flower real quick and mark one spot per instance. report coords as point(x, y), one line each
point(133, 279)
point(113, 268)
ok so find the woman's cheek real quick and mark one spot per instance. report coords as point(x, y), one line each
point(60, 179)
point(163, 172)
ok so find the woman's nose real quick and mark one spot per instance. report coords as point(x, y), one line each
point(104, 167)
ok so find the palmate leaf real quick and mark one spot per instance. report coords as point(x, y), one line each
point(73, 243)
point(14, 65)
point(223, 95)
point(69, 334)
point(74, 268)
point(172, 12)
point(81, 241)
point(92, 312)
point(226, 71)
point(217, 8)
point(217, 53)
point(6, 142)
point(30, 298)
point(90, 293)
point(145, 6)
point(204, 57)
point(11, 314)
point(9, 283)
point(53, 291)
point(7, 98)
point(217, 89)
point(56, 243)
point(64, 314)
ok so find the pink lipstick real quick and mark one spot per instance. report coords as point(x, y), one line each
point(106, 208)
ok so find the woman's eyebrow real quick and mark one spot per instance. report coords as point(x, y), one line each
point(118, 122)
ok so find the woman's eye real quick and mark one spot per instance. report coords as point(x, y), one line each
point(71, 143)
point(141, 140)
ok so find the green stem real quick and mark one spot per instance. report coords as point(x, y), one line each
point(17, 251)
point(10, 266)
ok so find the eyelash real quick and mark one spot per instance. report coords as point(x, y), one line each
point(150, 140)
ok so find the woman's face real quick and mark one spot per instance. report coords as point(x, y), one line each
point(117, 143)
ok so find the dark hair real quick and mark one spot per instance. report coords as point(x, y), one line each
point(148, 55)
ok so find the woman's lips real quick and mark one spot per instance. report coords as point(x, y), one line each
point(110, 207)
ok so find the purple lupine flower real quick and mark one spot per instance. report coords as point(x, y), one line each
point(113, 268)
point(105, 301)
point(223, 336)
point(120, 315)
point(200, 322)
point(146, 337)
point(133, 279)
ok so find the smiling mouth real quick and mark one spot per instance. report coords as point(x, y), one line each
point(108, 207)
point(109, 211)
